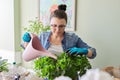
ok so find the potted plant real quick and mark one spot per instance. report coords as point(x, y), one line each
point(3, 65)
point(36, 26)
point(65, 65)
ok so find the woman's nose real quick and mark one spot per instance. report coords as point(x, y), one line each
point(58, 29)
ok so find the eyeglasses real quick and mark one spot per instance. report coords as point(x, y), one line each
point(59, 26)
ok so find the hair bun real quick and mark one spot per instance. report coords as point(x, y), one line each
point(62, 7)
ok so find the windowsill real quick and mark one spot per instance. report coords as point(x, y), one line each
point(7, 55)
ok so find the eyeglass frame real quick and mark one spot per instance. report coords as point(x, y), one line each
point(59, 26)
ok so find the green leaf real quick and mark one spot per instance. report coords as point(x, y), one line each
point(66, 65)
point(36, 27)
point(3, 64)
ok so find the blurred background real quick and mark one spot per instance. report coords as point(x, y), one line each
point(97, 23)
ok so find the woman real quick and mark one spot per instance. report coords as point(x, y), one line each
point(57, 40)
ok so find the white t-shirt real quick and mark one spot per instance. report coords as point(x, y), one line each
point(55, 49)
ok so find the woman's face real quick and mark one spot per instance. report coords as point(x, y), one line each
point(57, 25)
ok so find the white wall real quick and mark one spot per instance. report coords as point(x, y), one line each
point(6, 25)
point(10, 30)
point(29, 11)
point(7, 29)
point(98, 24)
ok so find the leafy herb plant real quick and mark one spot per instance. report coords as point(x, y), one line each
point(66, 65)
point(36, 26)
point(3, 64)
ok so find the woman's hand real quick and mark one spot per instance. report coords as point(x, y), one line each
point(26, 38)
point(77, 51)
point(80, 51)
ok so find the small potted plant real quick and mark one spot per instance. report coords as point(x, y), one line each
point(36, 26)
point(3, 65)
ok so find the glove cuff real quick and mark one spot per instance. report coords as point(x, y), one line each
point(85, 50)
